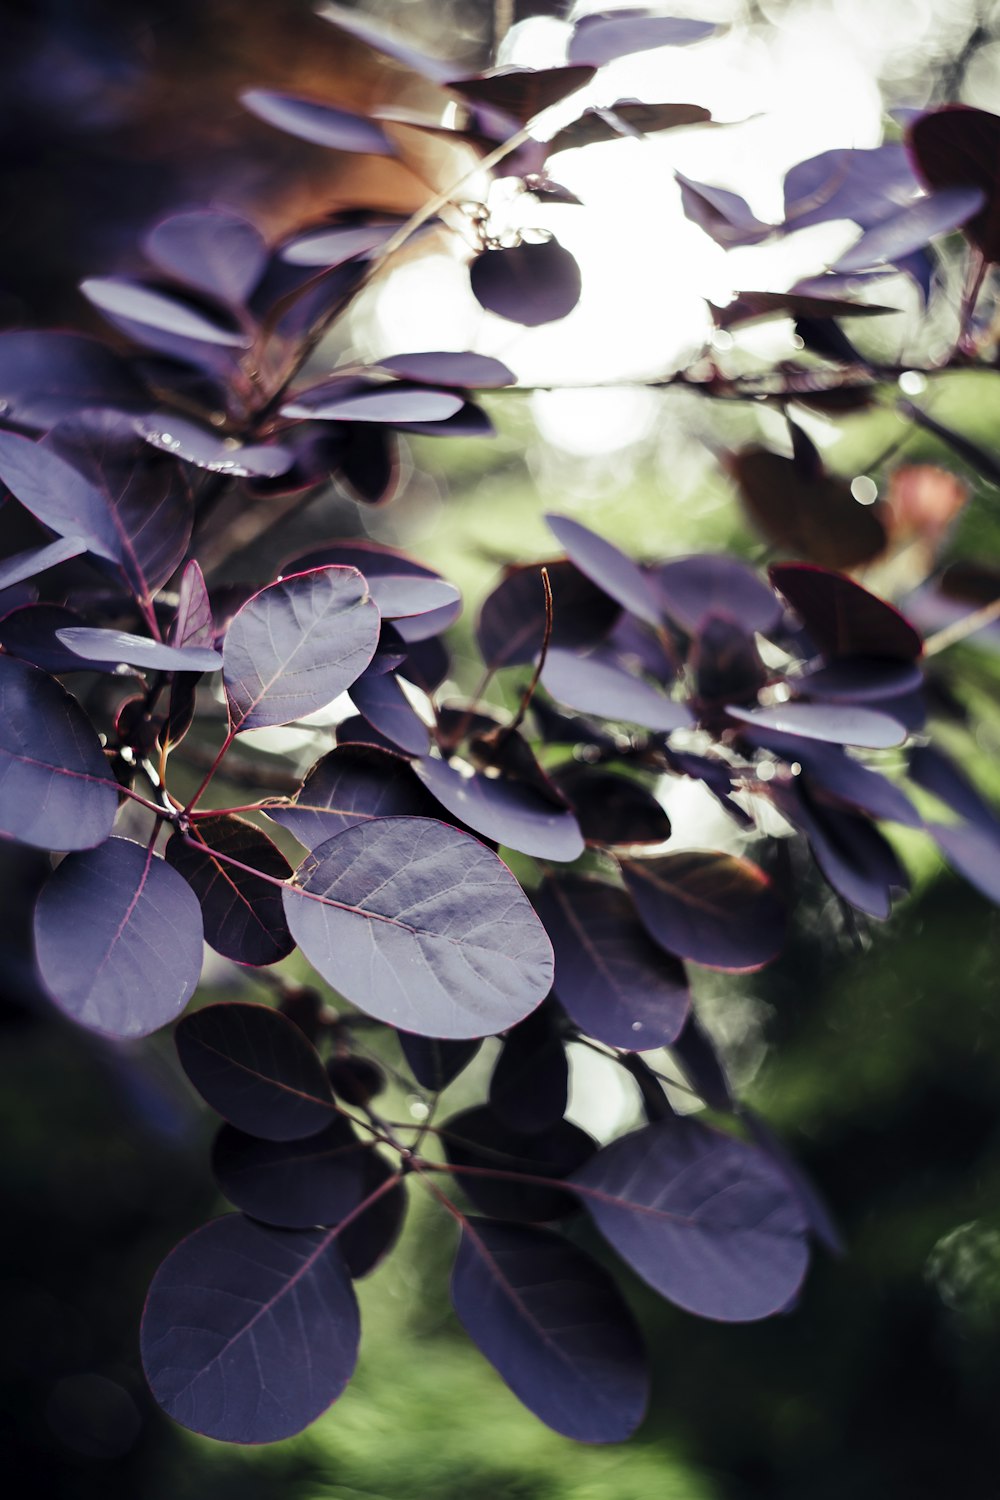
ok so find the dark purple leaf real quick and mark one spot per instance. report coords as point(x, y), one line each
point(199, 445)
point(726, 665)
point(118, 938)
point(833, 723)
point(29, 564)
point(957, 146)
point(508, 811)
point(860, 679)
point(706, 1220)
point(611, 978)
point(612, 809)
point(751, 307)
point(931, 769)
point(852, 855)
point(435, 1063)
point(604, 35)
point(511, 625)
point(910, 229)
point(256, 1069)
point(353, 784)
point(343, 239)
point(56, 790)
point(724, 216)
point(529, 1086)
point(709, 582)
point(477, 1138)
point(974, 851)
point(193, 623)
point(381, 701)
point(818, 1216)
point(981, 460)
point(715, 909)
point(323, 124)
point(598, 685)
point(421, 926)
point(244, 917)
point(46, 375)
point(842, 618)
point(128, 303)
point(609, 568)
point(57, 494)
point(462, 369)
point(357, 731)
point(347, 400)
point(294, 1184)
point(702, 1066)
point(626, 118)
point(296, 645)
point(250, 1333)
point(529, 284)
point(213, 251)
point(376, 562)
point(864, 185)
point(815, 516)
point(145, 496)
point(389, 43)
point(834, 775)
point(137, 650)
point(521, 93)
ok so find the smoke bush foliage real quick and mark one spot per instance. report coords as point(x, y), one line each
point(116, 637)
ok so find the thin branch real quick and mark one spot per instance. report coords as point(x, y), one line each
point(959, 630)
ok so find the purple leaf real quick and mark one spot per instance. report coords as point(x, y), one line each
point(751, 307)
point(706, 1220)
point(421, 926)
point(435, 1063)
point(511, 625)
point(611, 978)
point(508, 811)
point(726, 666)
point(462, 369)
point(250, 1333)
point(132, 302)
point(724, 216)
point(843, 618)
point(834, 775)
point(624, 119)
point(353, 784)
point(603, 36)
point(715, 909)
point(294, 1184)
point(29, 564)
point(322, 124)
point(341, 242)
point(381, 701)
point(389, 43)
point(814, 515)
point(56, 790)
point(477, 1138)
point(257, 1070)
point(118, 938)
point(199, 445)
point(296, 645)
point(528, 284)
point(554, 1325)
point(529, 1085)
point(609, 568)
point(376, 562)
point(193, 623)
point(521, 93)
point(860, 679)
point(348, 400)
point(863, 185)
point(29, 633)
point(833, 723)
point(137, 650)
point(709, 583)
point(46, 375)
point(853, 856)
point(57, 494)
point(612, 809)
point(404, 596)
point(596, 685)
point(145, 497)
point(973, 851)
point(818, 1216)
point(931, 769)
point(901, 233)
point(702, 1066)
point(957, 146)
point(213, 251)
point(243, 915)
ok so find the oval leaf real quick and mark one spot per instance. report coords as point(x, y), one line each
point(715, 909)
point(596, 685)
point(137, 650)
point(511, 625)
point(844, 619)
point(477, 1139)
point(213, 251)
point(250, 1333)
point(294, 1184)
point(529, 284)
point(118, 938)
point(610, 569)
point(554, 1325)
point(353, 784)
point(503, 809)
point(244, 917)
point(833, 723)
point(320, 123)
point(136, 303)
point(421, 926)
point(297, 645)
point(463, 369)
point(602, 36)
point(707, 1221)
point(57, 494)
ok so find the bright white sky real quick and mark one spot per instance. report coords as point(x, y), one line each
point(809, 86)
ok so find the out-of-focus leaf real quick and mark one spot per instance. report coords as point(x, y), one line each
point(715, 909)
point(322, 124)
point(530, 284)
